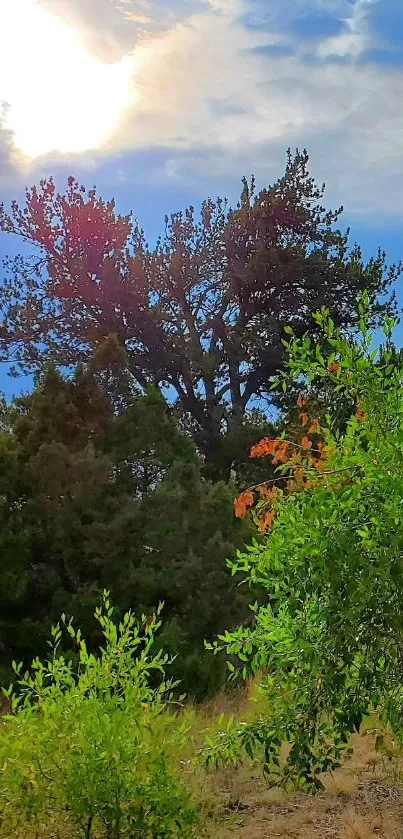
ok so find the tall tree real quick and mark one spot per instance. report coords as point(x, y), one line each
point(93, 497)
point(204, 312)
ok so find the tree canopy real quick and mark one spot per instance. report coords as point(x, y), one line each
point(203, 313)
point(94, 497)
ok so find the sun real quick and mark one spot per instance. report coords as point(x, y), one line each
point(59, 97)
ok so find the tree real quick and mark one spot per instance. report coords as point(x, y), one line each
point(328, 639)
point(94, 497)
point(202, 314)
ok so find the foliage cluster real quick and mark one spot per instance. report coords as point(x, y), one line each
point(329, 636)
point(99, 489)
point(90, 750)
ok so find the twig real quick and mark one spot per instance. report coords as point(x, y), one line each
point(88, 830)
point(319, 475)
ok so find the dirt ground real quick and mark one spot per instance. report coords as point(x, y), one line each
point(363, 800)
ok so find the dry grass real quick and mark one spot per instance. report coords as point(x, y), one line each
point(353, 825)
point(362, 800)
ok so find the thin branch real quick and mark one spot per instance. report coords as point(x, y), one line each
point(319, 475)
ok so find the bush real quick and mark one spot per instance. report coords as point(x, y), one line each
point(329, 637)
point(90, 748)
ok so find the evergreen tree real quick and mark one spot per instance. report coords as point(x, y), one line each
point(98, 492)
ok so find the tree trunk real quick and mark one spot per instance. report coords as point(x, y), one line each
point(218, 460)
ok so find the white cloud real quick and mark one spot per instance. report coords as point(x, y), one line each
point(220, 109)
point(108, 28)
point(111, 28)
point(346, 44)
point(356, 36)
point(350, 116)
point(10, 161)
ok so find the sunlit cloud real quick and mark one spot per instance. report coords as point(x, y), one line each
point(214, 88)
point(108, 29)
point(60, 97)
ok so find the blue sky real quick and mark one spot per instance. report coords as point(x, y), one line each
point(162, 102)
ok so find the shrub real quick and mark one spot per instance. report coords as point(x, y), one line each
point(329, 637)
point(91, 747)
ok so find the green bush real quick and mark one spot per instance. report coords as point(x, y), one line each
point(90, 748)
point(328, 639)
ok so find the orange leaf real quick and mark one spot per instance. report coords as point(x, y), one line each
point(302, 400)
point(266, 520)
point(260, 449)
point(269, 494)
point(314, 427)
point(306, 443)
point(299, 476)
point(281, 455)
point(241, 504)
point(304, 418)
point(334, 367)
point(264, 447)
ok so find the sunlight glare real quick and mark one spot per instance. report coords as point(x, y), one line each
point(61, 98)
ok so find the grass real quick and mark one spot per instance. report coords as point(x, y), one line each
point(362, 800)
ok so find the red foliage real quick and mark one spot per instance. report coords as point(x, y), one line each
point(266, 520)
point(301, 458)
point(314, 427)
point(269, 494)
point(243, 502)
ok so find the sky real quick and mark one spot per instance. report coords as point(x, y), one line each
point(160, 103)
